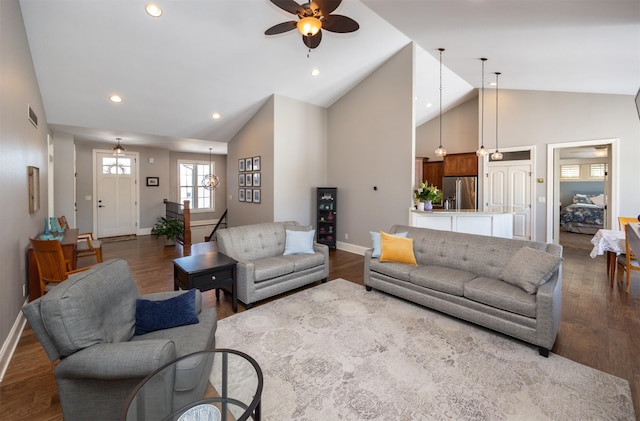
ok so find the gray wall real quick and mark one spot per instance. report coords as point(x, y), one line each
point(460, 131)
point(371, 140)
point(21, 145)
point(63, 178)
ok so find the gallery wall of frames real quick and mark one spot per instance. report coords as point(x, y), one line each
point(249, 180)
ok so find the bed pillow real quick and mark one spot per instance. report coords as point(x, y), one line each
point(598, 199)
point(375, 240)
point(582, 199)
point(396, 249)
point(154, 315)
point(299, 242)
point(530, 268)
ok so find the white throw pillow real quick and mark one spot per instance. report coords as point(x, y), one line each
point(299, 242)
point(375, 240)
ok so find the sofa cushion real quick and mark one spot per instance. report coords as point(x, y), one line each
point(298, 242)
point(499, 294)
point(395, 270)
point(154, 315)
point(271, 267)
point(375, 241)
point(92, 307)
point(529, 268)
point(442, 279)
point(396, 249)
point(305, 261)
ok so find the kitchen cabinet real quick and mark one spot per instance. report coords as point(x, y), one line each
point(461, 164)
point(433, 173)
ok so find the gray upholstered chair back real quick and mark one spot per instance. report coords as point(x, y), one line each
point(251, 242)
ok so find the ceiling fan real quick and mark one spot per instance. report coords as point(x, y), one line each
point(314, 16)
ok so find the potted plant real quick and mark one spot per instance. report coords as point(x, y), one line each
point(427, 194)
point(168, 228)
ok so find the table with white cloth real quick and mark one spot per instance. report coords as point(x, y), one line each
point(613, 243)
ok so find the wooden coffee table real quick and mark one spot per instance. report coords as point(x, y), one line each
point(206, 271)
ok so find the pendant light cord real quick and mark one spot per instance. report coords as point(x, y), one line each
point(497, 74)
point(482, 111)
point(441, 50)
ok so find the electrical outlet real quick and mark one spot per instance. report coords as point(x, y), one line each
point(346, 236)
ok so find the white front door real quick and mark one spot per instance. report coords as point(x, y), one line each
point(509, 187)
point(115, 194)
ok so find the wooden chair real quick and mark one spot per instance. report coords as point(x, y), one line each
point(624, 220)
point(87, 245)
point(52, 266)
point(628, 261)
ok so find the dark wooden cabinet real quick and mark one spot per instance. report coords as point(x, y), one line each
point(326, 215)
point(433, 173)
point(461, 164)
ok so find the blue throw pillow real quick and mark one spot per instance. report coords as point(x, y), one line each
point(375, 239)
point(156, 315)
point(299, 242)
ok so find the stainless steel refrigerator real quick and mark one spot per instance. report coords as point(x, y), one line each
point(461, 192)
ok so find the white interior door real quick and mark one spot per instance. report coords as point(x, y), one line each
point(509, 187)
point(115, 194)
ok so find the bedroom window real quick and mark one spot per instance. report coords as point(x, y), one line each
point(597, 170)
point(190, 176)
point(570, 171)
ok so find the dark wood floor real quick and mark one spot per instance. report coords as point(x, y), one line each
point(599, 325)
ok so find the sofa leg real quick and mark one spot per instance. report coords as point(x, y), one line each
point(248, 306)
point(368, 288)
point(544, 352)
point(323, 280)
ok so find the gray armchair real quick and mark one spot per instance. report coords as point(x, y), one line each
point(88, 323)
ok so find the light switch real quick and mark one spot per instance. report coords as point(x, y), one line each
point(541, 199)
point(87, 197)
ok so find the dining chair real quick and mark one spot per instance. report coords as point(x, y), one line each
point(624, 220)
point(627, 261)
point(87, 245)
point(53, 268)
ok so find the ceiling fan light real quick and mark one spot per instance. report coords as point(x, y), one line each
point(309, 26)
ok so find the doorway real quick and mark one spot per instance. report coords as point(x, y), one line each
point(581, 155)
point(115, 191)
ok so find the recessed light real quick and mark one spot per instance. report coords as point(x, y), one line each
point(153, 10)
point(429, 105)
point(492, 83)
point(315, 72)
point(115, 98)
point(215, 116)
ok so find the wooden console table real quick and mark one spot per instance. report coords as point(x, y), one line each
point(69, 248)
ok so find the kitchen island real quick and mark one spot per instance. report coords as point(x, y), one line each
point(496, 223)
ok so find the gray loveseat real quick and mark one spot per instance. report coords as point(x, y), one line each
point(88, 322)
point(463, 275)
point(263, 270)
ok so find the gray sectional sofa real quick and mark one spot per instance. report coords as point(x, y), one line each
point(263, 270)
point(511, 286)
point(88, 323)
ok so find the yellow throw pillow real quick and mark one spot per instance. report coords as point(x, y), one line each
point(396, 249)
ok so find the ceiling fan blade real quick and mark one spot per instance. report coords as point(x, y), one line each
point(340, 24)
point(289, 6)
point(325, 6)
point(281, 27)
point(314, 41)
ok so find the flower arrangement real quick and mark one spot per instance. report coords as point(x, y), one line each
point(428, 193)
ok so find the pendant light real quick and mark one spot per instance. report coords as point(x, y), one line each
point(210, 181)
point(497, 155)
point(118, 150)
point(482, 152)
point(440, 151)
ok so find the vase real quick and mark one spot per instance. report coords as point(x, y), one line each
point(428, 205)
point(46, 226)
point(420, 206)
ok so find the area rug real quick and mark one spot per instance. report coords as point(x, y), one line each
point(338, 352)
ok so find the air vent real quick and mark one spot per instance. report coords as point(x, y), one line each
point(33, 117)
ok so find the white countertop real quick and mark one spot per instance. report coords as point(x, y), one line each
point(466, 211)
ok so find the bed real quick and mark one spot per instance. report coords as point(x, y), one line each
point(585, 215)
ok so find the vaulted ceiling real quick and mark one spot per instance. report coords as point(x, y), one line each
point(203, 57)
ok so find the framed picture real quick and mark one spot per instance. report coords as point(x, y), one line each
point(241, 180)
point(248, 164)
point(240, 195)
point(241, 164)
point(248, 181)
point(256, 179)
point(248, 195)
point(34, 188)
point(256, 195)
point(153, 181)
point(256, 163)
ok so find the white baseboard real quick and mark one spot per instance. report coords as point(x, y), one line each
point(353, 248)
point(9, 346)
